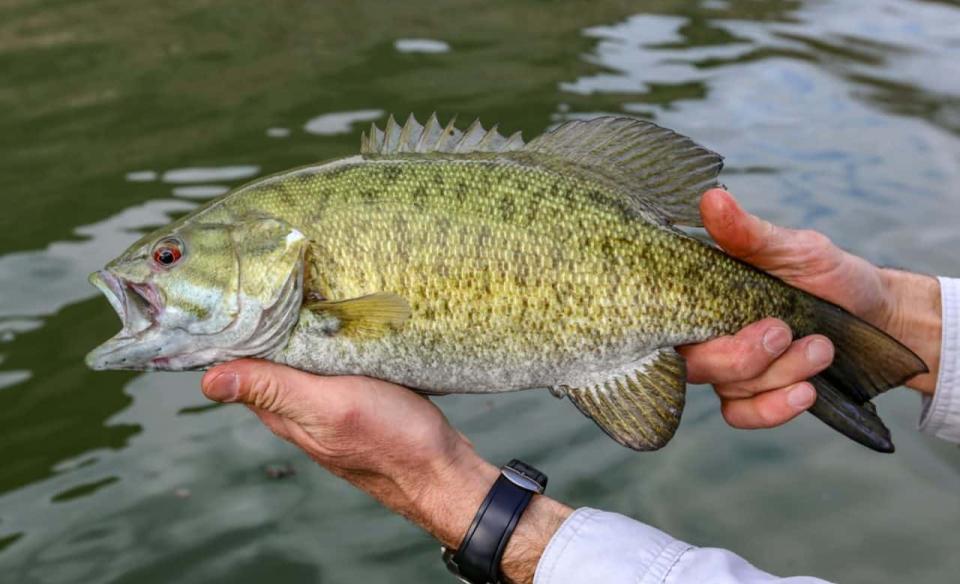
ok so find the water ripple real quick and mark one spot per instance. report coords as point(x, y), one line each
point(340, 122)
point(210, 174)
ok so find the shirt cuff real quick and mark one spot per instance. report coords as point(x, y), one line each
point(597, 546)
point(940, 416)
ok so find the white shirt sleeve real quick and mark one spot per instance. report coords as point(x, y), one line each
point(940, 416)
point(597, 546)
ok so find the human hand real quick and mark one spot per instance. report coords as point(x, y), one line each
point(388, 441)
point(760, 372)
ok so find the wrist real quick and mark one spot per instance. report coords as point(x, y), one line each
point(451, 499)
point(541, 520)
point(448, 507)
point(914, 318)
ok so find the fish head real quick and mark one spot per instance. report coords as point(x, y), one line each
point(202, 293)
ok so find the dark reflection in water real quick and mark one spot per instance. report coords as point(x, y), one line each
point(841, 116)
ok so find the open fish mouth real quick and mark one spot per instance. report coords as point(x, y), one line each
point(138, 305)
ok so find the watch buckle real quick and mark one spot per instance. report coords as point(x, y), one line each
point(451, 564)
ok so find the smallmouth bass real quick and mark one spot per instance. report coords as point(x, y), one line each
point(456, 261)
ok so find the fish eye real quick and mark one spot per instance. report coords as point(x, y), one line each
point(167, 252)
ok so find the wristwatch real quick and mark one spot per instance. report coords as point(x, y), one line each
point(477, 559)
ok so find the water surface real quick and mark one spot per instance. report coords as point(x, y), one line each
point(843, 116)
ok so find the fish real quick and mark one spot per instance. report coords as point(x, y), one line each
point(466, 261)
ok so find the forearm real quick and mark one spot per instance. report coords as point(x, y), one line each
point(915, 320)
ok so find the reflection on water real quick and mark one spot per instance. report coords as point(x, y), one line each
point(200, 191)
point(842, 116)
point(421, 46)
point(340, 122)
point(8, 378)
point(278, 132)
point(142, 176)
point(197, 175)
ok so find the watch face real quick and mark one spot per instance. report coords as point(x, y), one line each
point(521, 480)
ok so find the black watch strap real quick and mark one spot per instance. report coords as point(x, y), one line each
point(477, 560)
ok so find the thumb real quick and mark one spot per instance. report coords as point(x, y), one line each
point(758, 242)
point(264, 385)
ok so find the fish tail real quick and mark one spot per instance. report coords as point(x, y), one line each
point(867, 362)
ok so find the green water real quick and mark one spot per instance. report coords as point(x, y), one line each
point(841, 115)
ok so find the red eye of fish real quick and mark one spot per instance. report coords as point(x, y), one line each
point(167, 253)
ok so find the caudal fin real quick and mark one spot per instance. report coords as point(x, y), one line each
point(866, 363)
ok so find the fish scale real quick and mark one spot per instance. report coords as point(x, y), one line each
point(466, 262)
point(598, 287)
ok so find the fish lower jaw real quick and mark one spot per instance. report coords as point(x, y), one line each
point(133, 354)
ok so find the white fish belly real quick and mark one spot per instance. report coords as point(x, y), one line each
point(442, 370)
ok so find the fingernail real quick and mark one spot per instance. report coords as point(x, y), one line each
point(776, 340)
point(819, 352)
point(223, 387)
point(801, 397)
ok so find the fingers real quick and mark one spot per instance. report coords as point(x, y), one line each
point(804, 359)
point(744, 355)
point(761, 243)
point(770, 408)
point(779, 394)
point(759, 373)
point(263, 385)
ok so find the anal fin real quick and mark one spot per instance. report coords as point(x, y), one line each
point(640, 405)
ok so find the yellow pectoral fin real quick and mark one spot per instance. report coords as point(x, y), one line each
point(367, 316)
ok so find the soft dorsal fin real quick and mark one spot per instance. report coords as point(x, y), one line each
point(432, 137)
point(638, 406)
point(656, 168)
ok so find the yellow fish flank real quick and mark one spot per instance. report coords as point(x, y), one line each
point(462, 261)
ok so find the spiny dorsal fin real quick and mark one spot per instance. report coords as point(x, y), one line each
point(639, 406)
point(432, 137)
point(367, 316)
point(656, 167)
